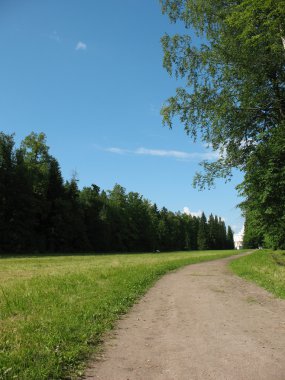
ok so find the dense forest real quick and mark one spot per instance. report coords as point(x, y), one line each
point(40, 212)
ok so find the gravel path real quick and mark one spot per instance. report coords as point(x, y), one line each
point(199, 323)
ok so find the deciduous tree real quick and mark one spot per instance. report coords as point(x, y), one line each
point(234, 91)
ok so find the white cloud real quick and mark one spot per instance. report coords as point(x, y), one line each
point(239, 235)
point(116, 150)
point(81, 46)
point(176, 154)
point(166, 153)
point(161, 153)
point(187, 211)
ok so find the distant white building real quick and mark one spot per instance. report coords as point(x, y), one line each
point(238, 239)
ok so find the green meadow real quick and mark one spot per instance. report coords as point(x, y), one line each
point(55, 309)
point(264, 267)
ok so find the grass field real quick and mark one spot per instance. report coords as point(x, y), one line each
point(266, 268)
point(54, 309)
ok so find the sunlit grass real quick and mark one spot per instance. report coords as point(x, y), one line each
point(266, 268)
point(54, 309)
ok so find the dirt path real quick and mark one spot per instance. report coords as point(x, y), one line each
point(199, 323)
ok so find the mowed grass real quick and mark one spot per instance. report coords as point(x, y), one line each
point(266, 268)
point(55, 309)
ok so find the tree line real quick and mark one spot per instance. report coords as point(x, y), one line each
point(40, 212)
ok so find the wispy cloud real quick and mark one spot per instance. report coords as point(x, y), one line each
point(162, 153)
point(177, 154)
point(54, 36)
point(116, 150)
point(81, 46)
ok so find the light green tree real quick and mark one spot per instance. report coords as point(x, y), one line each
point(233, 96)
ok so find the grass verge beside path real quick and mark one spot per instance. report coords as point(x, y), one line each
point(54, 309)
point(266, 268)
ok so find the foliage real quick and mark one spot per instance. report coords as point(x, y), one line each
point(264, 267)
point(41, 213)
point(234, 93)
point(233, 98)
point(55, 309)
point(263, 189)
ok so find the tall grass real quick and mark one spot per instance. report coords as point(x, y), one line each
point(54, 309)
point(266, 268)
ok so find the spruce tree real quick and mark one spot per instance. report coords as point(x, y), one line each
point(202, 238)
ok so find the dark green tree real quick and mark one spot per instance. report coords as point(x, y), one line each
point(92, 204)
point(222, 234)
point(212, 228)
point(117, 218)
point(56, 208)
point(203, 235)
point(7, 176)
point(23, 222)
point(230, 239)
point(17, 218)
point(37, 161)
point(163, 232)
point(74, 234)
point(106, 241)
point(39, 213)
point(193, 230)
point(154, 217)
point(139, 223)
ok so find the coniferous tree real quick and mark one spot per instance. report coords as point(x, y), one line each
point(154, 217)
point(75, 237)
point(117, 215)
point(7, 167)
point(202, 238)
point(92, 204)
point(39, 213)
point(230, 239)
point(23, 222)
point(55, 197)
point(212, 228)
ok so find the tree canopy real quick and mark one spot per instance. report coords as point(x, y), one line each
point(233, 97)
point(234, 92)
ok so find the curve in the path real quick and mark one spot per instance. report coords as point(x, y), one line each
point(199, 323)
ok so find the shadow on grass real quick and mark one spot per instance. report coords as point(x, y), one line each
point(68, 254)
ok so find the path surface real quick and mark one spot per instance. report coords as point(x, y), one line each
point(199, 323)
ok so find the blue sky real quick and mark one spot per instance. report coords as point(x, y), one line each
point(89, 74)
